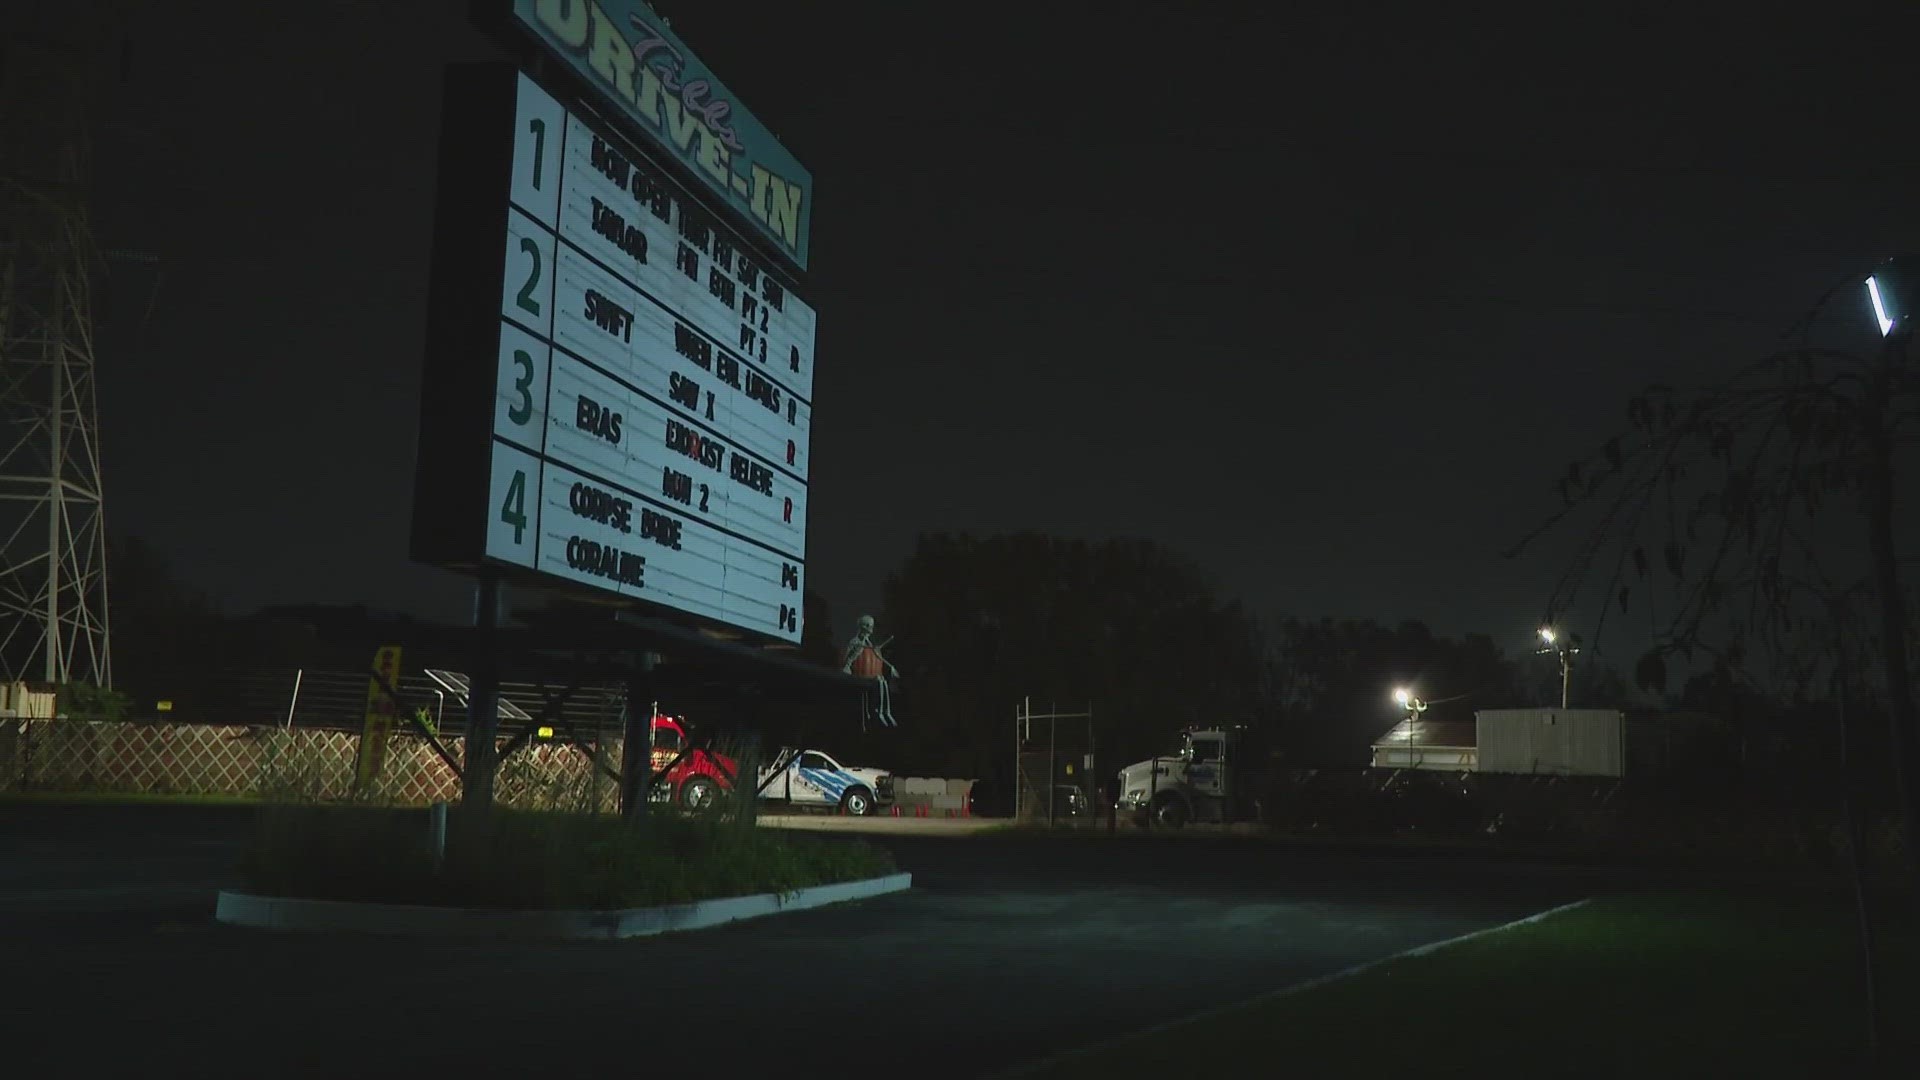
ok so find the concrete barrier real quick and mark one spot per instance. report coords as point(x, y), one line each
point(286, 913)
point(939, 792)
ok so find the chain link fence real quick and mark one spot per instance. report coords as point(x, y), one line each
point(98, 757)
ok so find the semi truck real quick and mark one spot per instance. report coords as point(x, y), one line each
point(701, 776)
point(1217, 775)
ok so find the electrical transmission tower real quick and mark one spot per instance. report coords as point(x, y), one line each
point(53, 565)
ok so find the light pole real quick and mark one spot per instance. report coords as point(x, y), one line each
point(1405, 699)
point(1890, 291)
point(1893, 290)
point(1564, 648)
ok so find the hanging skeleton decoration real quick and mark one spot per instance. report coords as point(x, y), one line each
point(864, 660)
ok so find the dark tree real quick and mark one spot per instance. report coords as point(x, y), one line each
point(1334, 679)
point(1759, 515)
point(1126, 625)
point(1754, 522)
point(160, 625)
point(817, 642)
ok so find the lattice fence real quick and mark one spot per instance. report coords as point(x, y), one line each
point(71, 756)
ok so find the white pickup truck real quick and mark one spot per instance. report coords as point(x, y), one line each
point(811, 778)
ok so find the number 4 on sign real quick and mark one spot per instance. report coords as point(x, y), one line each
point(514, 510)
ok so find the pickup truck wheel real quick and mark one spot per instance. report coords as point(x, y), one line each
point(857, 802)
point(1169, 813)
point(699, 794)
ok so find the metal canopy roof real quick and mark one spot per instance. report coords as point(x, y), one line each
point(457, 684)
point(611, 648)
point(1451, 734)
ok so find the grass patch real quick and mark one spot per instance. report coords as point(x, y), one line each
point(1662, 985)
point(529, 861)
point(1249, 833)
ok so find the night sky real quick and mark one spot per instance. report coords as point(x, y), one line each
point(1326, 301)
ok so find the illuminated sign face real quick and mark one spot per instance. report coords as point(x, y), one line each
point(648, 383)
point(626, 51)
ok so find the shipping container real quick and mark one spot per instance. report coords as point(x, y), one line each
point(1553, 742)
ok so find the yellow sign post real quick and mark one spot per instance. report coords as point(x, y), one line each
point(371, 756)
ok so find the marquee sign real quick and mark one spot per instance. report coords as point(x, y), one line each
point(618, 395)
point(627, 52)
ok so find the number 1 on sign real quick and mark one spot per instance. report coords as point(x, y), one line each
point(539, 129)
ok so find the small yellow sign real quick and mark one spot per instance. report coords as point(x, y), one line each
point(164, 706)
point(371, 755)
point(544, 732)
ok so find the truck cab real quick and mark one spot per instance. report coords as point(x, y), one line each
point(813, 778)
point(701, 777)
point(1214, 775)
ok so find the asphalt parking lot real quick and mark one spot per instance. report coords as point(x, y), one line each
point(1008, 948)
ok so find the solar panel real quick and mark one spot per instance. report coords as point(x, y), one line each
point(458, 685)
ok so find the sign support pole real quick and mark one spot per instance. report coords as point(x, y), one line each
point(636, 750)
point(483, 703)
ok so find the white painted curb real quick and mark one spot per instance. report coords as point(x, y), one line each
point(287, 913)
point(1053, 1060)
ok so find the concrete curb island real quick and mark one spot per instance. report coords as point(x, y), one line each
point(289, 913)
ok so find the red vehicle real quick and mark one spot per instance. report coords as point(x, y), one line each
point(700, 778)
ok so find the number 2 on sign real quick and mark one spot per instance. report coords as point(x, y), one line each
point(525, 299)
